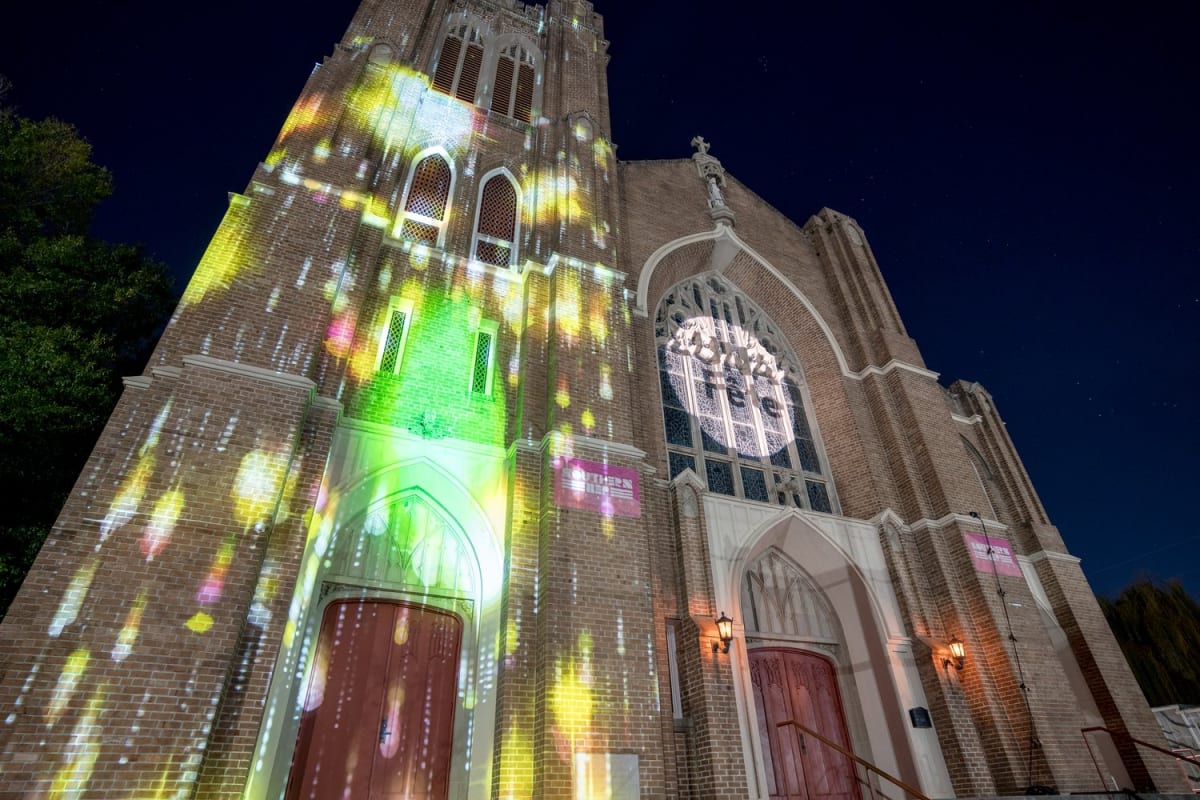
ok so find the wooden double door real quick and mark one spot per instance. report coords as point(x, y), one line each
point(801, 686)
point(378, 719)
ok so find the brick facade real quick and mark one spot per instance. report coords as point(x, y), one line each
point(272, 459)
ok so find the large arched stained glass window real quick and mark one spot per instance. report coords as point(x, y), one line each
point(732, 401)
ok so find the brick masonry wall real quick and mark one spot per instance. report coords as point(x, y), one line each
point(118, 651)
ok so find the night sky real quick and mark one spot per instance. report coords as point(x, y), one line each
point(1026, 173)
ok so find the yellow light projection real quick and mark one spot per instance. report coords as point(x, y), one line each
point(382, 105)
point(571, 699)
point(81, 752)
point(129, 498)
point(73, 597)
point(157, 532)
point(68, 680)
point(129, 631)
point(225, 259)
point(256, 488)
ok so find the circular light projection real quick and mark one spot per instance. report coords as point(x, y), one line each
point(732, 405)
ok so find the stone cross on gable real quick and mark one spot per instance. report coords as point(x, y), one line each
point(713, 175)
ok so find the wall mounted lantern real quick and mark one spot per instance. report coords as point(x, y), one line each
point(725, 631)
point(958, 653)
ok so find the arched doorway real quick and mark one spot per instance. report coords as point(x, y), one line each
point(389, 693)
point(796, 685)
point(788, 617)
point(378, 715)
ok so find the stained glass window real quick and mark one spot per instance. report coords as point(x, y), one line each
point(727, 371)
point(680, 462)
point(754, 485)
point(818, 496)
point(720, 477)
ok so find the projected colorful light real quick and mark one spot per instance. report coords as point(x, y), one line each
point(421, 344)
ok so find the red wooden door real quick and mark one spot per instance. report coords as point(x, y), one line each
point(800, 686)
point(378, 720)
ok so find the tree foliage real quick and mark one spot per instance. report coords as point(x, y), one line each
point(1158, 628)
point(76, 314)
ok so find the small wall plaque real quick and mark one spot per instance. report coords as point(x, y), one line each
point(920, 717)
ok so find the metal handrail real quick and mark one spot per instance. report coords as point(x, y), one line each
point(1099, 773)
point(867, 764)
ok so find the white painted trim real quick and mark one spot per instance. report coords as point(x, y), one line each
point(949, 519)
point(598, 270)
point(722, 257)
point(327, 403)
point(643, 287)
point(452, 261)
point(247, 371)
point(559, 443)
point(894, 364)
point(1046, 555)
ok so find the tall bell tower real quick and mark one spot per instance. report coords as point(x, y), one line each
point(332, 492)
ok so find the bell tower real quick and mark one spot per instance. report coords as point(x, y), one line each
point(348, 443)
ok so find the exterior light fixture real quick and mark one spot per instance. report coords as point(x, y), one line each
point(725, 631)
point(958, 653)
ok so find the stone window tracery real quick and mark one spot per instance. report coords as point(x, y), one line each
point(733, 409)
point(460, 61)
point(513, 86)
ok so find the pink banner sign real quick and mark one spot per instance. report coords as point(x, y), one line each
point(1001, 555)
point(606, 488)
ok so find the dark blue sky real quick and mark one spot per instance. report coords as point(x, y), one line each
point(1026, 173)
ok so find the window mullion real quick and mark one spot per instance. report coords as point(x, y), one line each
point(693, 415)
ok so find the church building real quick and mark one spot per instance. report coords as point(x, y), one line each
point(477, 463)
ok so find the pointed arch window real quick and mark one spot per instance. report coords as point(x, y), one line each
point(496, 224)
point(516, 78)
point(733, 408)
point(427, 202)
point(460, 61)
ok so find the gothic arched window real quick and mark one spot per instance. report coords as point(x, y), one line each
point(732, 401)
point(516, 77)
point(496, 224)
point(460, 61)
point(426, 201)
